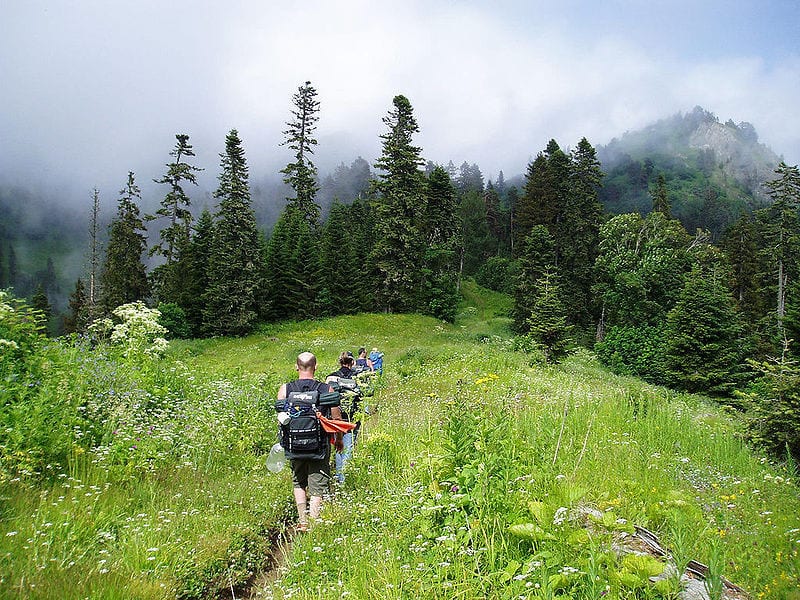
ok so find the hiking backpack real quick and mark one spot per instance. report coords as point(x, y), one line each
point(302, 436)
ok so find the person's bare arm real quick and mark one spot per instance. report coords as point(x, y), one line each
point(282, 392)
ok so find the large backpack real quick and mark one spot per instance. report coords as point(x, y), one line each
point(302, 436)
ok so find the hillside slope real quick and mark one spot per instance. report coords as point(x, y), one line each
point(714, 171)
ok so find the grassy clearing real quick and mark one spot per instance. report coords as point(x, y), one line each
point(464, 484)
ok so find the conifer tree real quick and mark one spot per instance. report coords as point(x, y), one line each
point(234, 265)
point(702, 348)
point(547, 324)
point(476, 239)
point(536, 259)
point(13, 269)
point(197, 267)
point(339, 257)
point(301, 174)
point(41, 303)
point(78, 317)
point(399, 205)
point(783, 232)
point(580, 232)
point(293, 266)
point(3, 276)
point(123, 278)
point(174, 238)
point(739, 243)
point(661, 198)
point(440, 229)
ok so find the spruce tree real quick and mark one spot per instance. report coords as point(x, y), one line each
point(13, 268)
point(740, 245)
point(580, 232)
point(399, 205)
point(661, 198)
point(784, 232)
point(94, 255)
point(197, 267)
point(703, 341)
point(339, 259)
point(3, 275)
point(174, 238)
point(234, 265)
point(123, 278)
point(78, 317)
point(41, 303)
point(440, 229)
point(476, 239)
point(547, 325)
point(293, 266)
point(537, 258)
point(301, 174)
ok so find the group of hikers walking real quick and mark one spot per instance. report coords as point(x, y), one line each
point(314, 415)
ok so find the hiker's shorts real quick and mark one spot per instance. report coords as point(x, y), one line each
point(311, 474)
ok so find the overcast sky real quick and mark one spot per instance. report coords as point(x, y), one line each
point(92, 89)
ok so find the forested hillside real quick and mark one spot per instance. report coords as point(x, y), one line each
point(696, 286)
point(713, 171)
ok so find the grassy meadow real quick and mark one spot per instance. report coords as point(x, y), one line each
point(476, 474)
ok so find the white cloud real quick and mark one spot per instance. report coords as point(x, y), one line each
point(93, 90)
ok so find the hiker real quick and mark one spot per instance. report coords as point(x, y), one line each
point(311, 469)
point(349, 408)
point(377, 360)
point(362, 362)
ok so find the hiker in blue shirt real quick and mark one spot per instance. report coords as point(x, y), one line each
point(377, 360)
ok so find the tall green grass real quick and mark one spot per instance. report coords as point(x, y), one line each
point(473, 476)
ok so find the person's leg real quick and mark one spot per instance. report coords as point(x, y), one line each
point(299, 485)
point(319, 474)
point(300, 500)
point(343, 456)
point(315, 507)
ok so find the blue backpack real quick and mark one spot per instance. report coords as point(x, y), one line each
point(377, 361)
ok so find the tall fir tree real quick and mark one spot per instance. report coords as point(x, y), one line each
point(740, 245)
point(301, 174)
point(13, 268)
point(234, 265)
point(399, 205)
point(537, 257)
point(783, 231)
point(293, 267)
point(174, 237)
point(580, 232)
point(703, 337)
point(76, 320)
point(547, 324)
point(3, 270)
point(196, 270)
point(440, 230)
point(475, 238)
point(123, 277)
point(660, 197)
point(339, 258)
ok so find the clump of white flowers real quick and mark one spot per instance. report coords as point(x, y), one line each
point(138, 332)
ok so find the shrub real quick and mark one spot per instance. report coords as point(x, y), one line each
point(498, 274)
point(174, 320)
point(634, 351)
point(774, 398)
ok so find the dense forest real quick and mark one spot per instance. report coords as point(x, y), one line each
point(677, 261)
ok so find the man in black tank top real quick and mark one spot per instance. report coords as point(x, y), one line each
point(313, 474)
